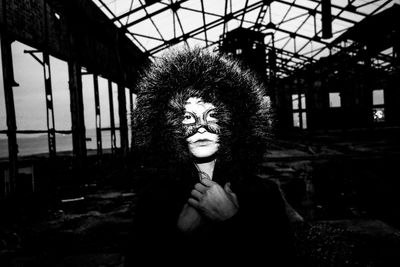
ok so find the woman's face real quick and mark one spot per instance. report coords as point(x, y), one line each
point(201, 128)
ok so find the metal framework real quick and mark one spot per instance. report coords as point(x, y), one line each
point(295, 25)
point(51, 133)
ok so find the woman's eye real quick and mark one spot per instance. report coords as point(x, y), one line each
point(212, 116)
point(188, 118)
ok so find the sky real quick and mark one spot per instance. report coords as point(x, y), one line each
point(29, 96)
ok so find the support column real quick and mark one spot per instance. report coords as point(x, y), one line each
point(123, 125)
point(77, 117)
point(98, 116)
point(8, 81)
point(51, 134)
point(326, 19)
point(131, 117)
point(112, 122)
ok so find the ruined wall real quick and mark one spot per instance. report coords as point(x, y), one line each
point(354, 82)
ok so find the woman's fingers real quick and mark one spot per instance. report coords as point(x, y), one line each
point(201, 187)
point(196, 194)
point(193, 202)
point(207, 182)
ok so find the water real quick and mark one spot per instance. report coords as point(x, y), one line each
point(38, 144)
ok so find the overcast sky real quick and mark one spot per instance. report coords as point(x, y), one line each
point(29, 96)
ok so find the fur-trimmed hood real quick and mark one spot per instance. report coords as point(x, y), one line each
point(164, 87)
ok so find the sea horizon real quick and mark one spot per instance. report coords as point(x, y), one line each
point(34, 145)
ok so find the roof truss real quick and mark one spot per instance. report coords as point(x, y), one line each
point(293, 24)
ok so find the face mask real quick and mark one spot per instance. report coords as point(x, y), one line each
point(192, 122)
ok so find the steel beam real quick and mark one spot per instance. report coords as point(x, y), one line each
point(51, 134)
point(112, 121)
point(99, 144)
point(149, 15)
point(209, 26)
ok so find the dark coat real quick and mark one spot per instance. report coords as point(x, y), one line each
point(258, 233)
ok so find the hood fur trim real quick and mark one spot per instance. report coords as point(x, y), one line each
point(164, 87)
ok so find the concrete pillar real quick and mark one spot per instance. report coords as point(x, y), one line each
point(77, 115)
point(8, 81)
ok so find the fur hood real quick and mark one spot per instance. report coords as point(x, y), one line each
point(164, 87)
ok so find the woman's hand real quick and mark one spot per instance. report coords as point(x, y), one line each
point(213, 201)
point(189, 219)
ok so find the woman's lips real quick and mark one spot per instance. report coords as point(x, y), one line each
point(202, 142)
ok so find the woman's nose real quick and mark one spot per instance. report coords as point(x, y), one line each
point(201, 130)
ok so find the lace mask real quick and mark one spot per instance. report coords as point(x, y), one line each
point(192, 122)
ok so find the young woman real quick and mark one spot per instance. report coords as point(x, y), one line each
point(202, 126)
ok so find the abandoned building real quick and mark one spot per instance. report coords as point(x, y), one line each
point(67, 95)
